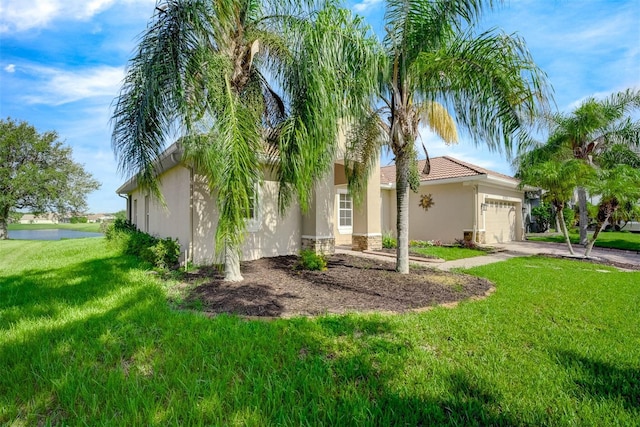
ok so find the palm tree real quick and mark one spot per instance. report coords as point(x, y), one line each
point(242, 82)
point(558, 179)
point(616, 187)
point(436, 67)
point(594, 128)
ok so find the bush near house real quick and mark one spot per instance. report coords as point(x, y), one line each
point(161, 253)
point(309, 260)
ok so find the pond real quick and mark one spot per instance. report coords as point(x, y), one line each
point(54, 234)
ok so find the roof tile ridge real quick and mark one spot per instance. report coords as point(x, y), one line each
point(471, 166)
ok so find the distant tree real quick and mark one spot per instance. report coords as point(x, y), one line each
point(38, 173)
point(122, 215)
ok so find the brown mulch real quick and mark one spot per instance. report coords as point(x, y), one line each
point(277, 287)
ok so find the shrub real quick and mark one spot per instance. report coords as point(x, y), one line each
point(543, 216)
point(569, 217)
point(388, 241)
point(421, 243)
point(161, 253)
point(468, 244)
point(309, 260)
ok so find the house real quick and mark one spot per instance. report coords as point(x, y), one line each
point(44, 218)
point(468, 201)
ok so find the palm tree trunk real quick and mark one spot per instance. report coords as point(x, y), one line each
point(232, 264)
point(563, 227)
point(402, 222)
point(584, 218)
point(590, 243)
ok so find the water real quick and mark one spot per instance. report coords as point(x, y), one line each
point(54, 234)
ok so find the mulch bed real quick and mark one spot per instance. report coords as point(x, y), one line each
point(277, 287)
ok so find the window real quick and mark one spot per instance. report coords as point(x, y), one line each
point(146, 214)
point(253, 220)
point(345, 212)
point(134, 219)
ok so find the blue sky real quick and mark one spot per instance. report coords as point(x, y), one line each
point(62, 62)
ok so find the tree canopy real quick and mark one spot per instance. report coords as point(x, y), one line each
point(37, 173)
point(244, 83)
point(440, 72)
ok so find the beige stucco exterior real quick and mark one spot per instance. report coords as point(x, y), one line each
point(457, 211)
point(190, 214)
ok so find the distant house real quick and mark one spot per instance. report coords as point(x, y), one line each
point(45, 218)
point(467, 202)
point(92, 218)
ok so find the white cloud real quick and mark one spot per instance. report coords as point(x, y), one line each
point(21, 15)
point(59, 87)
point(11, 68)
point(366, 5)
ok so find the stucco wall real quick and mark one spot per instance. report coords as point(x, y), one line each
point(172, 220)
point(270, 235)
point(446, 220)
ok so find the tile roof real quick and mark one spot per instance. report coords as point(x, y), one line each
point(444, 167)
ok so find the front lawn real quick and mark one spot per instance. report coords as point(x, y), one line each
point(87, 337)
point(447, 253)
point(607, 239)
point(89, 227)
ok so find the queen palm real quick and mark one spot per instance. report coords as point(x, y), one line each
point(593, 129)
point(239, 81)
point(615, 187)
point(439, 72)
point(558, 179)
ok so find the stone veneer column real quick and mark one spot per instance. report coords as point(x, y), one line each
point(367, 234)
point(317, 224)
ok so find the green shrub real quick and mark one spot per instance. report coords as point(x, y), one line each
point(543, 216)
point(388, 241)
point(125, 237)
point(309, 260)
point(569, 217)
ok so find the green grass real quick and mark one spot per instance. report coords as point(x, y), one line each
point(609, 239)
point(87, 337)
point(448, 253)
point(93, 227)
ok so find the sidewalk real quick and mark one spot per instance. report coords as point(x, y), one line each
point(507, 251)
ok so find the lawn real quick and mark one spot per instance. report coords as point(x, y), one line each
point(447, 253)
point(89, 227)
point(87, 337)
point(609, 239)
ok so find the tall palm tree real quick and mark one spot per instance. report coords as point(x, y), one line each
point(439, 72)
point(594, 128)
point(241, 82)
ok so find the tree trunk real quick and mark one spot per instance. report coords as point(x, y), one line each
point(232, 264)
point(4, 217)
point(402, 222)
point(584, 218)
point(563, 227)
point(591, 242)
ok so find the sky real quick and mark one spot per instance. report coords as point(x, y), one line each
point(62, 63)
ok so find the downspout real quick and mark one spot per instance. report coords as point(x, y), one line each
point(128, 199)
point(475, 213)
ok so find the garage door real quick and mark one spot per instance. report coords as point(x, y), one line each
point(500, 221)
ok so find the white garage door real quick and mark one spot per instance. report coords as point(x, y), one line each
point(500, 221)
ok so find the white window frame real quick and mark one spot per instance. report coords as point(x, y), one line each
point(254, 222)
point(344, 229)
